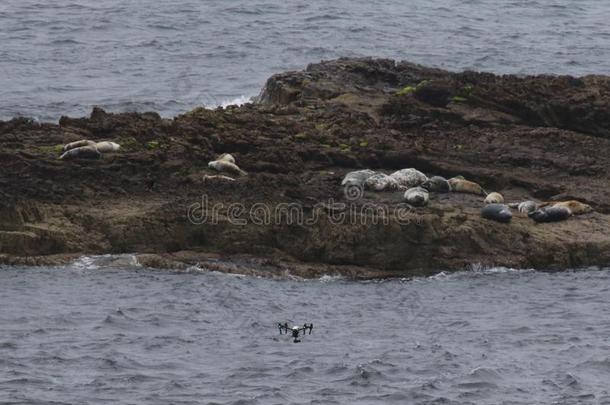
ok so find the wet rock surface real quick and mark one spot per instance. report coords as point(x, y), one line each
point(537, 137)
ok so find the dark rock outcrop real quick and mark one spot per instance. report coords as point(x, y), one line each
point(540, 137)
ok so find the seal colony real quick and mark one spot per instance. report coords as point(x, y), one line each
point(417, 188)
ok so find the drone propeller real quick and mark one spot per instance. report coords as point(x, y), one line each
point(283, 327)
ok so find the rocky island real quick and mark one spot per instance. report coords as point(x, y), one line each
point(542, 137)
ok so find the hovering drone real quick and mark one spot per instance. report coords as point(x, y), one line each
point(295, 330)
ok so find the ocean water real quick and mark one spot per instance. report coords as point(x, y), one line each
point(62, 57)
point(107, 331)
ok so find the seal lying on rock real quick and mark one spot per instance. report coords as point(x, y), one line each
point(527, 206)
point(82, 152)
point(381, 182)
point(550, 214)
point(226, 166)
point(461, 185)
point(497, 212)
point(437, 184)
point(78, 144)
point(226, 163)
point(226, 156)
point(417, 196)
point(357, 178)
point(106, 147)
point(524, 206)
point(409, 177)
point(494, 198)
point(576, 207)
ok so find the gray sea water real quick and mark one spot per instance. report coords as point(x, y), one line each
point(61, 57)
point(106, 331)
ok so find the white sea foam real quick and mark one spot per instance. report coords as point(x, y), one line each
point(106, 261)
point(476, 269)
point(329, 278)
point(236, 101)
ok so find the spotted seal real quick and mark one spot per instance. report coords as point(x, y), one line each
point(494, 198)
point(381, 182)
point(437, 184)
point(527, 206)
point(357, 178)
point(78, 144)
point(497, 212)
point(409, 177)
point(417, 196)
point(460, 185)
point(82, 152)
point(550, 214)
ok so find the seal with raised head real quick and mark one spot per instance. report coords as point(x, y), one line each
point(417, 196)
point(527, 206)
point(437, 184)
point(226, 156)
point(494, 198)
point(461, 185)
point(82, 152)
point(576, 207)
point(226, 166)
point(357, 178)
point(497, 212)
point(107, 146)
point(381, 182)
point(409, 177)
point(78, 144)
point(550, 214)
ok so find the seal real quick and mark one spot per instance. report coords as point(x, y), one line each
point(226, 156)
point(409, 177)
point(576, 207)
point(82, 152)
point(78, 144)
point(497, 212)
point(106, 147)
point(357, 178)
point(437, 184)
point(550, 214)
point(494, 198)
point(226, 166)
point(381, 182)
point(461, 185)
point(417, 196)
point(527, 206)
